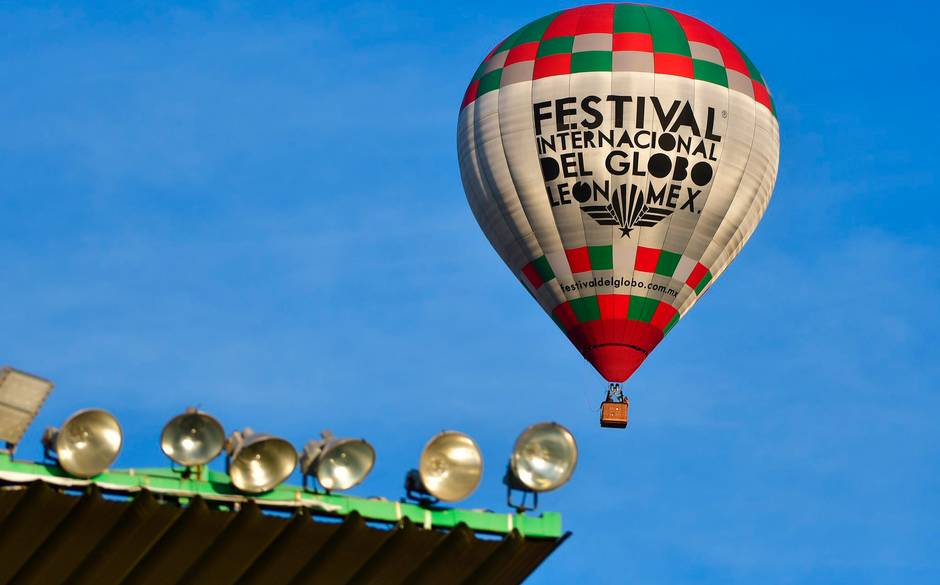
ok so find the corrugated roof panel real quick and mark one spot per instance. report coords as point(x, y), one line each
point(11, 497)
point(29, 524)
point(180, 546)
point(291, 550)
point(492, 571)
point(236, 548)
point(516, 560)
point(454, 559)
point(87, 523)
point(402, 554)
point(339, 559)
point(48, 537)
point(140, 527)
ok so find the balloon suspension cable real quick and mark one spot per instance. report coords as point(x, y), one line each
point(615, 393)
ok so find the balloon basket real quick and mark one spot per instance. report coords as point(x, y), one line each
point(615, 408)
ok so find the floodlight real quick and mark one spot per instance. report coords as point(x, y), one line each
point(192, 438)
point(543, 459)
point(258, 462)
point(21, 397)
point(87, 444)
point(337, 464)
point(449, 469)
point(544, 456)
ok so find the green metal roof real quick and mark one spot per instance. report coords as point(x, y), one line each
point(216, 489)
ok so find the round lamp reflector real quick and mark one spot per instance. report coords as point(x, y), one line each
point(451, 466)
point(88, 442)
point(544, 456)
point(192, 438)
point(343, 464)
point(261, 463)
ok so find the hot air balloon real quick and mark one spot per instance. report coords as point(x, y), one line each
point(617, 157)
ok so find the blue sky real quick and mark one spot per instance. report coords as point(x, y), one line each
point(259, 211)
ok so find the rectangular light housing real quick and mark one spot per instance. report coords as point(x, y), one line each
point(21, 397)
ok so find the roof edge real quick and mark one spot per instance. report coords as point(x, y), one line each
point(216, 487)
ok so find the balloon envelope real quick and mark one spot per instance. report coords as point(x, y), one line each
point(617, 158)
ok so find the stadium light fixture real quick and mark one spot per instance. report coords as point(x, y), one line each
point(21, 397)
point(336, 464)
point(543, 459)
point(258, 462)
point(449, 469)
point(87, 444)
point(192, 438)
